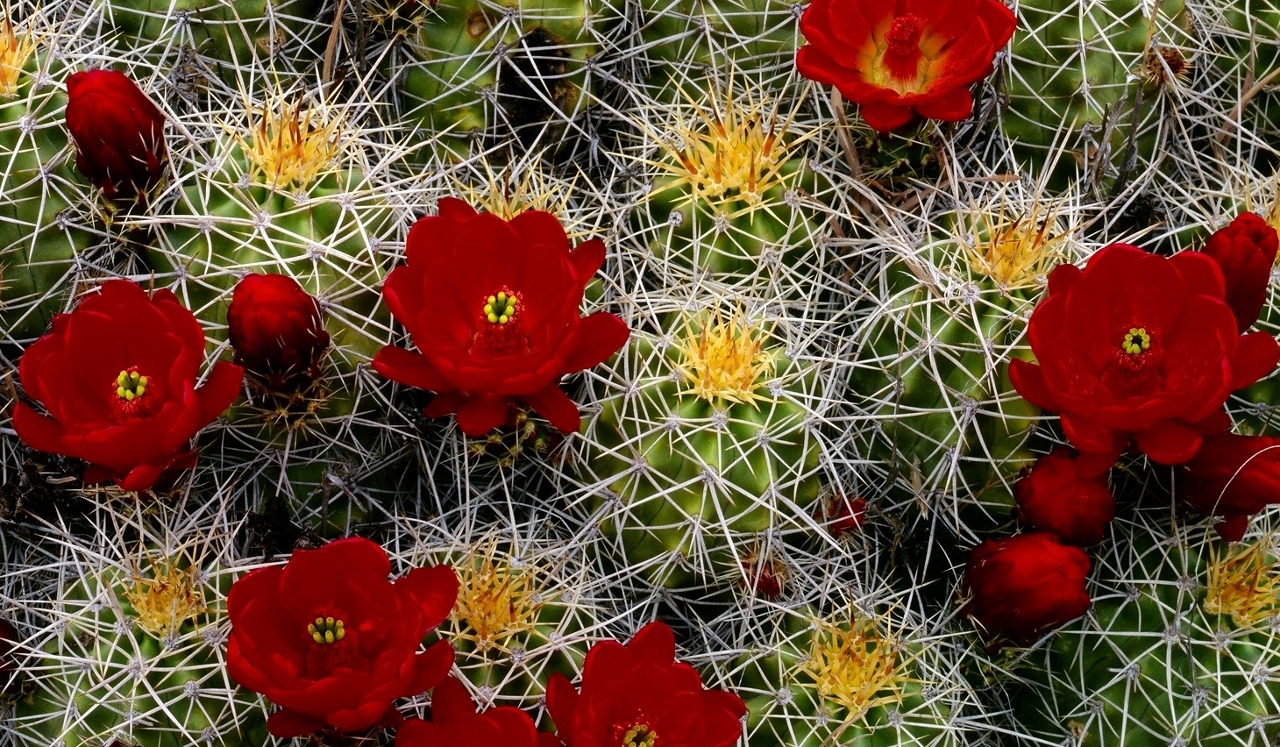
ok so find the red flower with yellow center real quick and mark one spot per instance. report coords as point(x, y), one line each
point(1139, 347)
point(492, 306)
point(333, 642)
point(638, 695)
point(902, 58)
point(118, 378)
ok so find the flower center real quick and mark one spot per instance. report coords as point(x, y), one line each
point(130, 385)
point(903, 37)
point(501, 308)
point(326, 630)
point(638, 735)
point(1136, 340)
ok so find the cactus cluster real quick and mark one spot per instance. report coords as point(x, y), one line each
point(807, 446)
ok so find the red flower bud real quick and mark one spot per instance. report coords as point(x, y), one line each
point(1245, 250)
point(1056, 497)
point(1235, 477)
point(118, 132)
point(1025, 585)
point(276, 330)
point(845, 515)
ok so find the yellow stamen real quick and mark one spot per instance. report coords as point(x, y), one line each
point(1244, 585)
point(725, 360)
point(1136, 341)
point(130, 385)
point(500, 308)
point(327, 630)
point(639, 735)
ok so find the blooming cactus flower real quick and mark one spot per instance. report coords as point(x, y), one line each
point(329, 639)
point(276, 331)
point(118, 132)
point(1025, 585)
point(492, 307)
point(118, 378)
point(1139, 346)
point(638, 695)
point(902, 58)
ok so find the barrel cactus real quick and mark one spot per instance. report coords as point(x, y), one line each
point(125, 636)
point(938, 413)
point(1178, 649)
point(1089, 85)
point(43, 225)
point(709, 437)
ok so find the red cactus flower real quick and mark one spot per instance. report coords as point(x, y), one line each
point(1056, 497)
point(276, 331)
point(454, 722)
point(1234, 477)
point(492, 307)
point(1139, 346)
point(638, 694)
point(1025, 585)
point(118, 132)
point(902, 58)
point(1245, 251)
point(118, 378)
point(334, 643)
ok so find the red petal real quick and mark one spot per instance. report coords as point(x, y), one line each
point(434, 589)
point(953, 106)
point(655, 642)
point(562, 702)
point(1255, 358)
point(587, 259)
point(39, 432)
point(1028, 380)
point(430, 668)
point(886, 117)
point(1201, 273)
point(141, 478)
point(445, 403)
point(554, 405)
point(1062, 277)
point(219, 391)
point(451, 701)
point(481, 414)
point(1169, 442)
point(597, 337)
point(452, 208)
point(1233, 529)
point(289, 724)
point(409, 368)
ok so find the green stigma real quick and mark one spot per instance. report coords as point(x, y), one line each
point(501, 308)
point(1136, 341)
point(130, 386)
point(326, 630)
point(639, 735)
